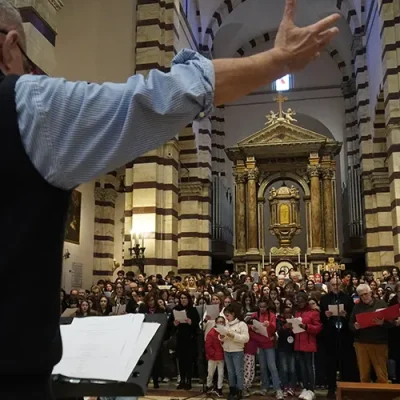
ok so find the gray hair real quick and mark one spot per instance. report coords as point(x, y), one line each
point(10, 19)
point(362, 288)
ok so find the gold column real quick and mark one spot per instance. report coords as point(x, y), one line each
point(316, 220)
point(329, 228)
point(240, 208)
point(252, 177)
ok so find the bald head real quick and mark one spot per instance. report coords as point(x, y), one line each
point(334, 285)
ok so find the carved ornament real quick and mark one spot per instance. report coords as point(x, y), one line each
point(105, 194)
point(190, 188)
point(253, 174)
point(285, 251)
point(313, 170)
point(57, 4)
point(327, 173)
point(240, 177)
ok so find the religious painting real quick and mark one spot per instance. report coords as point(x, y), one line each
point(284, 214)
point(73, 226)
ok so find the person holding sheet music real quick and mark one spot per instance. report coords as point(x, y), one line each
point(185, 337)
point(305, 344)
point(266, 347)
point(371, 343)
point(233, 342)
point(336, 336)
point(286, 354)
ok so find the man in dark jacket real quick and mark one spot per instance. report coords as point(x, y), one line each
point(371, 343)
point(337, 338)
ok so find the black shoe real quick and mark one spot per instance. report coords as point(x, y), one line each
point(231, 393)
point(208, 390)
point(188, 385)
point(218, 392)
point(181, 386)
point(156, 385)
point(238, 395)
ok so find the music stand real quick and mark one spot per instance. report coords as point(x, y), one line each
point(136, 386)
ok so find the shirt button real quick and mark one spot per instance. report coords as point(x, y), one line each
point(202, 114)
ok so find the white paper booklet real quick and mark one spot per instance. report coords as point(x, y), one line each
point(222, 330)
point(295, 324)
point(260, 328)
point(212, 310)
point(334, 309)
point(181, 316)
point(90, 343)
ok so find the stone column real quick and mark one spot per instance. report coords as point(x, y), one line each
point(240, 210)
point(329, 227)
point(316, 220)
point(252, 177)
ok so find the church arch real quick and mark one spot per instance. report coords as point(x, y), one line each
point(279, 176)
point(346, 7)
point(270, 36)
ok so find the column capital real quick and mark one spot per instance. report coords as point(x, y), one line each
point(313, 170)
point(327, 173)
point(240, 176)
point(253, 174)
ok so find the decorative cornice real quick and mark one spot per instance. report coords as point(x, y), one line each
point(313, 170)
point(57, 4)
point(190, 188)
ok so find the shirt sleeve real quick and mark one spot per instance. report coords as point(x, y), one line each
point(74, 132)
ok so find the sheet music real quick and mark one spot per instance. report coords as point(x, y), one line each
point(295, 324)
point(334, 309)
point(212, 310)
point(181, 316)
point(222, 330)
point(91, 343)
point(260, 328)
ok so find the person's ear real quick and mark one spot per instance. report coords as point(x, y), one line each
point(9, 48)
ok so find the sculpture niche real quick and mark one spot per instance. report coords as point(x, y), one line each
point(284, 217)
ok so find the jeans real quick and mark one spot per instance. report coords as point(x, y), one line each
point(307, 369)
point(235, 365)
point(287, 366)
point(268, 363)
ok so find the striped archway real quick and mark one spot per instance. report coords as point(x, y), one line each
point(346, 8)
point(270, 36)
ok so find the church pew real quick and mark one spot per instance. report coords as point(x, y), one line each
point(367, 391)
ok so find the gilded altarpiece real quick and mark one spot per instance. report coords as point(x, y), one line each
point(283, 151)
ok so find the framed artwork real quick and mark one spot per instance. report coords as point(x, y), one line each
point(73, 226)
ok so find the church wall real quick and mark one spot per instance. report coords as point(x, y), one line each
point(82, 253)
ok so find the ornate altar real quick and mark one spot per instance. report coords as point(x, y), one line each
point(284, 151)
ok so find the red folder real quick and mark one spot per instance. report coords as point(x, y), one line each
point(388, 314)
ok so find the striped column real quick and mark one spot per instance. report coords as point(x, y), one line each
point(389, 11)
point(218, 142)
point(194, 238)
point(151, 203)
point(105, 195)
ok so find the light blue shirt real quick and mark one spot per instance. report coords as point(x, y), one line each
point(74, 132)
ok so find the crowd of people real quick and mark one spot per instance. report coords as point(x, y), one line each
point(255, 327)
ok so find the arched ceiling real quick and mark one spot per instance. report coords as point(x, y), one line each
point(230, 24)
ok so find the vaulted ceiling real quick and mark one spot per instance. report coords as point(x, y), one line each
point(241, 27)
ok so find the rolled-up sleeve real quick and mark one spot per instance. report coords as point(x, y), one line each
point(74, 132)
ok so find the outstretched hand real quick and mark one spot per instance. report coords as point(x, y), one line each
point(300, 46)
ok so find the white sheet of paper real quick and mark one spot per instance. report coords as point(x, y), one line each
point(69, 312)
point(260, 328)
point(180, 316)
point(212, 310)
point(295, 324)
point(222, 330)
point(114, 335)
point(334, 309)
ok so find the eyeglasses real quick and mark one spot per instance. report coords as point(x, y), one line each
point(30, 66)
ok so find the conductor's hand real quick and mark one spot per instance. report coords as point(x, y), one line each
point(176, 323)
point(300, 46)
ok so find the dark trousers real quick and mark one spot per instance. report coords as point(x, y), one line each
point(307, 369)
point(17, 389)
point(341, 357)
point(157, 371)
point(185, 357)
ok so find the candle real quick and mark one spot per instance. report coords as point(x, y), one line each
point(270, 258)
point(305, 260)
point(298, 258)
point(142, 239)
point(262, 262)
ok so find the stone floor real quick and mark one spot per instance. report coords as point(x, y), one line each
point(167, 391)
